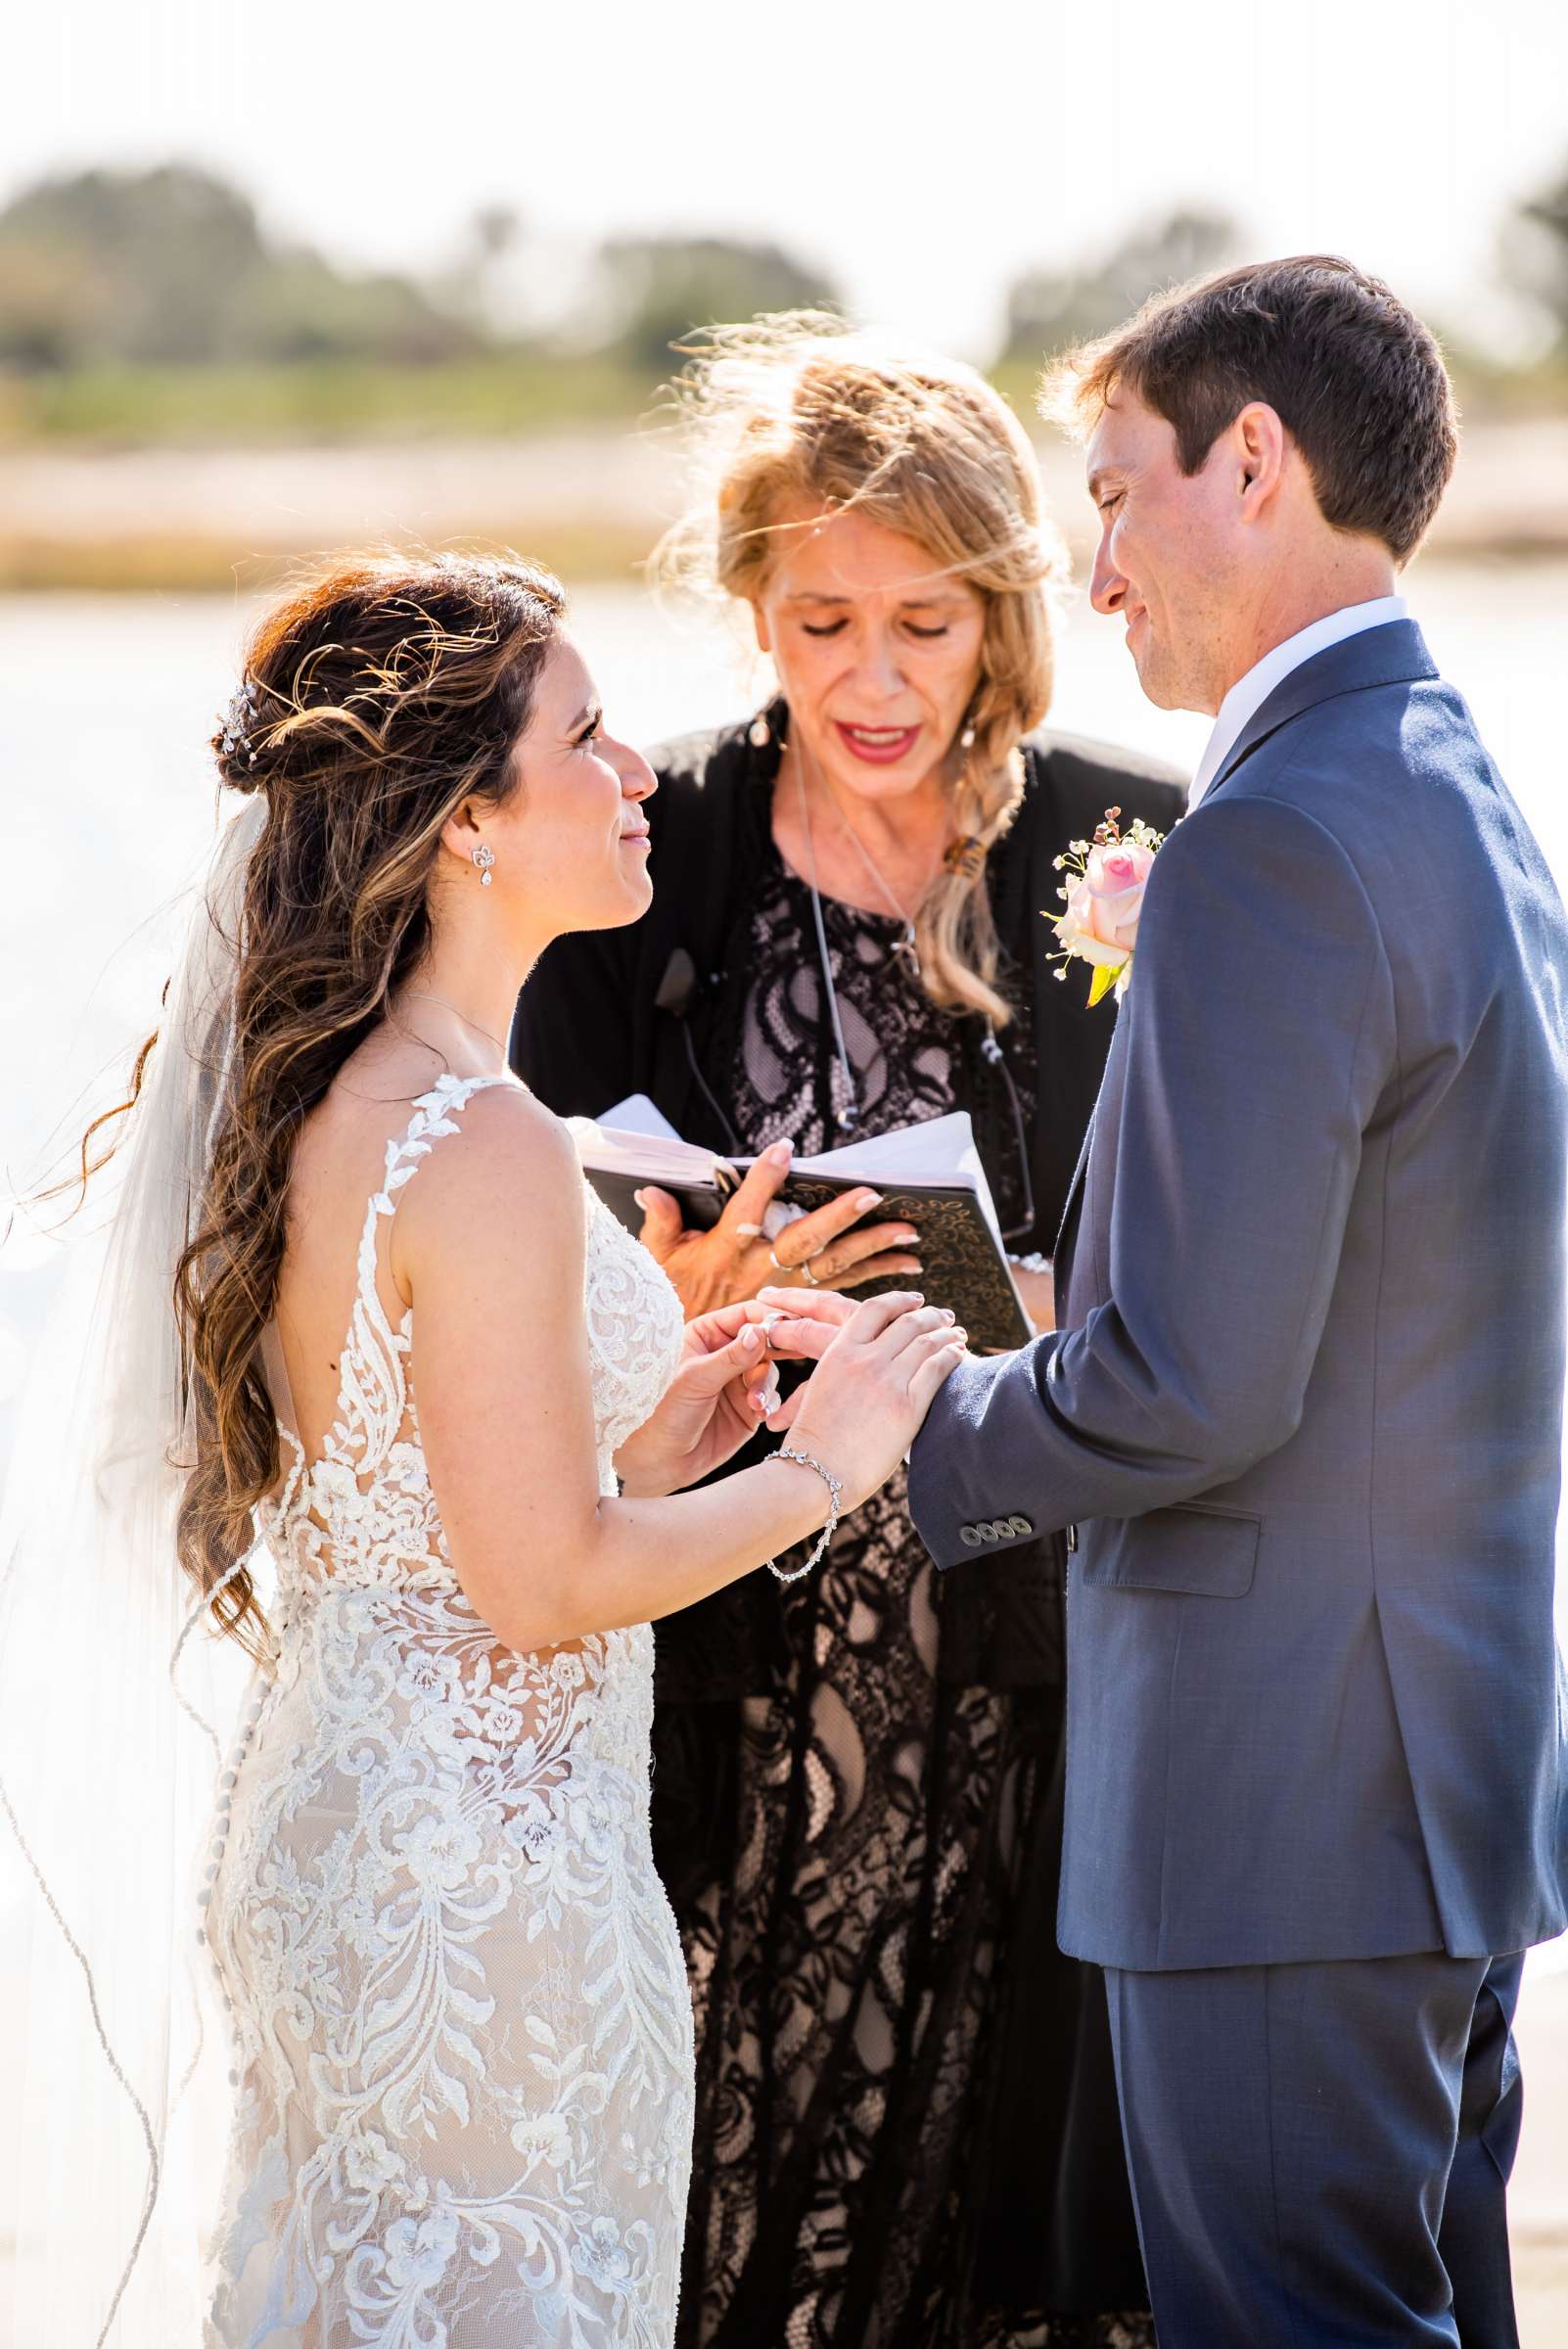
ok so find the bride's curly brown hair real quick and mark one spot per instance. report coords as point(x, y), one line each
point(376, 697)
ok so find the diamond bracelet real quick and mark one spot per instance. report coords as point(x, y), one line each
point(835, 1488)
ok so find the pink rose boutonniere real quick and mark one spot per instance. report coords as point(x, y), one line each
point(1104, 900)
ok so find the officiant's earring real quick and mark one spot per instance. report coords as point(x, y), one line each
point(483, 856)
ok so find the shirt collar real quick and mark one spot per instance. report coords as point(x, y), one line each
point(1249, 693)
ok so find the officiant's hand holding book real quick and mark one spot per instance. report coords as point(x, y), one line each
point(846, 1243)
point(924, 1179)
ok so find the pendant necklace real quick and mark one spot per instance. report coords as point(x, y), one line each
point(908, 946)
point(847, 1117)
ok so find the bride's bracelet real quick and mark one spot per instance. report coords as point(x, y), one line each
point(836, 1492)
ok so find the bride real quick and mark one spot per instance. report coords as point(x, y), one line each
point(455, 1402)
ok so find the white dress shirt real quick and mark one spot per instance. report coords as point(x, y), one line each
point(1249, 693)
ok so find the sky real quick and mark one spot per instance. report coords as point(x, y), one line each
point(927, 153)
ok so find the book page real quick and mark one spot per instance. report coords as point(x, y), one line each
point(635, 1134)
point(638, 1114)
point(650, 1157)
point(935, 1150)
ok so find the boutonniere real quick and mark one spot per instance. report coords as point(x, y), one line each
point(1104, 900)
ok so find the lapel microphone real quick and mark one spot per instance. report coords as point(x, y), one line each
point(679, 990)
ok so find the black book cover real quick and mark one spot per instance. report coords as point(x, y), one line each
point(963, 1266)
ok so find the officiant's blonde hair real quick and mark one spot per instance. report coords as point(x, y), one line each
point(796, 412)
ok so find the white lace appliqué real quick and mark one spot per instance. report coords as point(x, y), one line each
point(462, 2032)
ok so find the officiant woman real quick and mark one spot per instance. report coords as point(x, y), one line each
point(906, 2124)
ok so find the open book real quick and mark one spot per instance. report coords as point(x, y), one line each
point(928, 1176)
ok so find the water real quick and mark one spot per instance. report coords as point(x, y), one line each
point(106, 704)
point(104, 708)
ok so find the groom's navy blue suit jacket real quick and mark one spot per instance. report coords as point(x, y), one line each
point(1305, 1409)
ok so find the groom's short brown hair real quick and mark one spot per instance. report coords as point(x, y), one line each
point(1354, 377)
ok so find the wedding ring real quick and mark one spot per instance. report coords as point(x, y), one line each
point(804, 1268)
point(751, 1231)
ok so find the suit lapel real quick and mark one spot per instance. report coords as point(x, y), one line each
point(1393, 654)
point(1068, 1227)
point(1073, 1213)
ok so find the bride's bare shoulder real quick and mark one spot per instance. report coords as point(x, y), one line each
point(511, 1137)
point(512, 1179)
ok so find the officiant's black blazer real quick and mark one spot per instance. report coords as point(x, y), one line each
point(612, 1012)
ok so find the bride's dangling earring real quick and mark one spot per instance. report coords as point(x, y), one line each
point(483, 856)
point(759, 733)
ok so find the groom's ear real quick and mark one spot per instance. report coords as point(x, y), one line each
point(1259, 447)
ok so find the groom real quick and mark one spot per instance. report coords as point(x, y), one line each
point(1301, 1420)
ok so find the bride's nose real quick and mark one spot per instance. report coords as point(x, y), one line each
point(637, 778)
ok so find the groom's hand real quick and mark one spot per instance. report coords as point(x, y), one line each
point(803, 1324)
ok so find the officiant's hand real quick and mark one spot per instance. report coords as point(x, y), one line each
point(734, 1260)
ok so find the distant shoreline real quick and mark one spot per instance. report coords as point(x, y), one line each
point(589, 501)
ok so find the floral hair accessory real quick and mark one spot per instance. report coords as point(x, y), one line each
point(1104, 902)
point(239, 717)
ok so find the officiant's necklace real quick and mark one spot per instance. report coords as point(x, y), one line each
point(908, 944)
point(849, 1116)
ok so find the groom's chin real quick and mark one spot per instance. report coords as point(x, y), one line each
point(1159, 687)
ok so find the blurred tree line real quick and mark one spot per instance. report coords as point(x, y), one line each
point(172, 268)
point(1049, 310)
point(146, 302)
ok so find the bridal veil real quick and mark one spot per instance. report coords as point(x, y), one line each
point(117, 1705)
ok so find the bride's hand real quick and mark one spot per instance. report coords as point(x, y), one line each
point(725, 1387)
point(879, 1365)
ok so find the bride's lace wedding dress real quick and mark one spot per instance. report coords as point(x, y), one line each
point(462, 2033)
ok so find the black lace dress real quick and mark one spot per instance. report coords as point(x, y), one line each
point(881, 2101)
